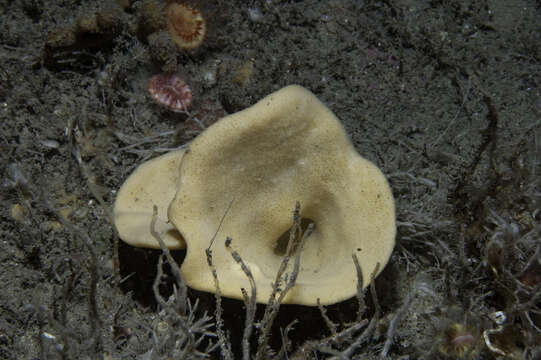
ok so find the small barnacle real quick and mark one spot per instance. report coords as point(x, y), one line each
point(531, 275)
point(150, 19)
point(61, 38)
point(88, 24)
point(457, 340)
point(186, 25)
point(170, 91)
point(244, 73)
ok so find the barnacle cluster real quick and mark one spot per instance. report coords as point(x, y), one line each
point(98, 29)
point(173, 27)
point(182, 21)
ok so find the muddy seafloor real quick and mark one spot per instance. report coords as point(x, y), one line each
point(444, 96)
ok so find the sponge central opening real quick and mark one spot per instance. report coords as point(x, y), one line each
point(281, 244)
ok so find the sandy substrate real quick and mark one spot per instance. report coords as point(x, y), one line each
point(444, 96)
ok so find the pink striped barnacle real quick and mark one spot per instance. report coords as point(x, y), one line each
point(170, 91)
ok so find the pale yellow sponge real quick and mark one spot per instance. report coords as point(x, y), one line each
point(257, 163)
point(155, 182)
